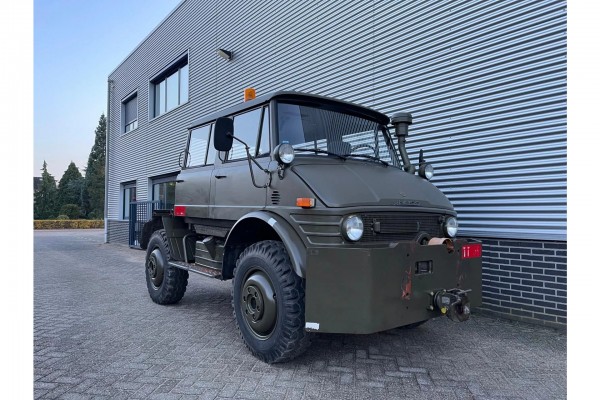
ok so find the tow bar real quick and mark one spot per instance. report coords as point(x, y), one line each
point(454, 303)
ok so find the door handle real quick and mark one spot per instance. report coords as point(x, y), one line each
point(220, 176)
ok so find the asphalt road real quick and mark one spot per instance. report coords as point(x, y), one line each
point(97, 335)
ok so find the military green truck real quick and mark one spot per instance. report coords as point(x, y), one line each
point(313, 208)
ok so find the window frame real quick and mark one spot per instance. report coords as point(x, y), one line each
point(159, 180)
point(125, 186)
point(255, 154)
point(162, 76)
point(211, 131)
point(126, 99)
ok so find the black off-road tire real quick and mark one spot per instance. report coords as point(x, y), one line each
point(280, 338)
point(166, 285)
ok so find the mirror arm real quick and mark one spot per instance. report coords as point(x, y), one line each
point(255, 162)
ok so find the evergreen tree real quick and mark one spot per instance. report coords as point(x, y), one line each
point(94, 173)
point(45, 199)
point(70, 187)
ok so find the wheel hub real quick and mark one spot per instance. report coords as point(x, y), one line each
point(155, 268)
point(258, 304)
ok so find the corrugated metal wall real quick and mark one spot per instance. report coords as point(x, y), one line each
point(485, 81)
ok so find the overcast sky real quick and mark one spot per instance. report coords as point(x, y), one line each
point(76, 45)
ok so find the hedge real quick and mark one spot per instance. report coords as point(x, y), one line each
point(68, 224)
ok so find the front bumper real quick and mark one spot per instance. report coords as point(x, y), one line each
point(367, 290)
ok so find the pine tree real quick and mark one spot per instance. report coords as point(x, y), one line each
point(70, 188)
point(94, 173)
point(45, 199)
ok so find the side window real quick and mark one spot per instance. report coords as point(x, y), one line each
point(264, 148)
point(246, 128)
point(198, 146)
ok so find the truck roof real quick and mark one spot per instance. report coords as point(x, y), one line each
point(296, 97)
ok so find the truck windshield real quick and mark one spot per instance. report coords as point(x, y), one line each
point(330, 132)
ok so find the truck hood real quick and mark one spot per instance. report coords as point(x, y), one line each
point(363, 183)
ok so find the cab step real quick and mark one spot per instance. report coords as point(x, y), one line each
point(199, 269)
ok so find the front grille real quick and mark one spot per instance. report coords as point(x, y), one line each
point(391, 227)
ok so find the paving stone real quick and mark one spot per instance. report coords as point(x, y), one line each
point(97, 335)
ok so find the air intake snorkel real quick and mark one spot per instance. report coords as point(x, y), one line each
point(401, 121)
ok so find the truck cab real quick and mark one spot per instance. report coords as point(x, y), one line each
point(312, 206)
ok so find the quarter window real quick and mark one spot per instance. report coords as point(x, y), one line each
point(129, 112)
point(171, 88)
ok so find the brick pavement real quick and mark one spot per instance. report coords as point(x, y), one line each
point(97, 335)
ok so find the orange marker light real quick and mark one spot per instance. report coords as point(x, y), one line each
point(249, 94)
point(305, 202)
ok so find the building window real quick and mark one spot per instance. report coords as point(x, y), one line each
point(170, 88)
point(129, 196)
point(163, 191)
point(129, 112)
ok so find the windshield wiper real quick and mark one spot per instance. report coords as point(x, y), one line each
point(369, 157)
point(322, 152)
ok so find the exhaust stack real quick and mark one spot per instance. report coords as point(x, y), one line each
point(401, 121)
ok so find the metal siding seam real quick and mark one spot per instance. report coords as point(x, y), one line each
point(503, 110)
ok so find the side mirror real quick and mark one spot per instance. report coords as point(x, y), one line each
point(223, 135)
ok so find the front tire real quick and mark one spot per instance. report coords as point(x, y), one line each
point(268, 303)
point(166, 285)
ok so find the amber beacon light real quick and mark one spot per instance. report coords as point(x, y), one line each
point(249, 94)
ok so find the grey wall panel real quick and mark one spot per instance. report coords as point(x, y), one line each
point(485, 81)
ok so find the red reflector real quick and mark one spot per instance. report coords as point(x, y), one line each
point(471, 251)
point(179, 211)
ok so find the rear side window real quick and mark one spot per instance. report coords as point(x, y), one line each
point(199, 147)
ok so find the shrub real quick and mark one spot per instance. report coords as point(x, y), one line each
point(62, 216)
point(68, 224)
point(73, 211)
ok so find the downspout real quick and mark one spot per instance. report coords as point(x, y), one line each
point(106, 155)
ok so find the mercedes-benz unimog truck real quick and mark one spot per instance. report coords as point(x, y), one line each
point(312, 207)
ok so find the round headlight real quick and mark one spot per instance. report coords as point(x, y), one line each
point(426, 171)
point(451, 227)
point(284, 153)
point(352, 228)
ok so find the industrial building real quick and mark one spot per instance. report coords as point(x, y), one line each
point(484, 80)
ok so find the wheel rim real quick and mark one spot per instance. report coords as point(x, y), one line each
point(258, 304)
point(155, 268)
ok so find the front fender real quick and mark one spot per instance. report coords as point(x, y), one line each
point(292, 242)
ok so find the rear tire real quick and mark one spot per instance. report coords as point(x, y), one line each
point(268, 303)
point(166, 285)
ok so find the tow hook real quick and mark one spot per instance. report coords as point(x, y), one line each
point(453, 303)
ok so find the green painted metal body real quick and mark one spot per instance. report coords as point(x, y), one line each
point(351, 287)
point(367, 290)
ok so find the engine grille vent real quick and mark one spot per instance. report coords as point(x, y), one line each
point(275, 197)
point(388, 227)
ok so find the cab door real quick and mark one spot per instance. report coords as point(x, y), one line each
point(234, 193)
point(194, 180)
